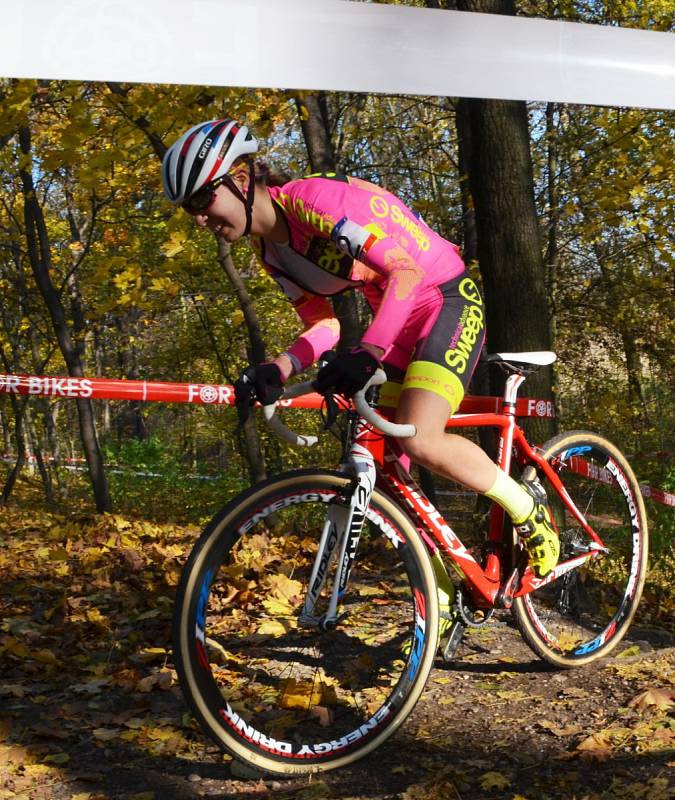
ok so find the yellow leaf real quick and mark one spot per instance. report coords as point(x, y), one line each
point(515, 694)
point(17, 649)
point(105, 734)
point(284, 588)
point(58, 554)
point(494, 780)
point(596, 747)
point(277, 607)
point(160, 734)
point(174, 245)
point(57, 758)
point(160, 284)
point(153, 653)
point(38, 770)
point(12, 689)
point(95, 616)
point(629, 651)
point(306, 694)
point(663, 699)
point(271, 627)
point(45, 657)
point(568, 730)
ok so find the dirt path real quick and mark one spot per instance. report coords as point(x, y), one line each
point(90, 709)
point(495, 724)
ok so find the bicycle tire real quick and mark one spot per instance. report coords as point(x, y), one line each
point(582, 615)
point(234, 646)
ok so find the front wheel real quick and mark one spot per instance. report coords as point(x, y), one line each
point(279, 696)
point(582, 615)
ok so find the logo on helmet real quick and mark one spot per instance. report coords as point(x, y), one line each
point(205, 148)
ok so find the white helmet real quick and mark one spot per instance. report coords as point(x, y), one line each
point(203, 154)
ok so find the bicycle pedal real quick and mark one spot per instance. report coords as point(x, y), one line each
point(454, 638)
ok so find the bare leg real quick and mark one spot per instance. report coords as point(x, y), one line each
point(460, 459)
point(447, 454)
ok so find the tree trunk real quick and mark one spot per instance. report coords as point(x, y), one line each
point(251, 439)
point(6, 433)
point(469, 234)
point(36, 449)
point(40, 260)
point(313, 113)
point(508, 245)
point(19, 409)
point(552, 251)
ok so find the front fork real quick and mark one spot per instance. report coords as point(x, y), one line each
point(341, 534)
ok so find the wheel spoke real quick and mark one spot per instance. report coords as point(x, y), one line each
point(264, 682)
point(584, 613)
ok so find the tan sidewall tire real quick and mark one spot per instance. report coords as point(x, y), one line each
point(257, 760)
point(527, 629)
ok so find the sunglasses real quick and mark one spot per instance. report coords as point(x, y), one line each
point(201, 200)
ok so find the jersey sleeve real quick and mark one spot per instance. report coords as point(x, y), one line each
point(322, 331)
point(322, 328)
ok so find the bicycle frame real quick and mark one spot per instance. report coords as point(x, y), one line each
point(373, 456)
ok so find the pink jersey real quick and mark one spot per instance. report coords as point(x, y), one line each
point(343, 233)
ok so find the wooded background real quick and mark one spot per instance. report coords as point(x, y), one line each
point(564, 215)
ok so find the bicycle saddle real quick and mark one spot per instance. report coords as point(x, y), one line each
point(536, 358)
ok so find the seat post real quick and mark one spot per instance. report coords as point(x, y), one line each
point(513, 383)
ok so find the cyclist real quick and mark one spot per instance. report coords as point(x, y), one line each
point(322, 235)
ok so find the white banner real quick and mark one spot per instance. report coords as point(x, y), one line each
point(337, 45)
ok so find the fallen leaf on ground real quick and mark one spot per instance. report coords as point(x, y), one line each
point(105, 734)
point(494, 780)
point(596, 747)
point(629, 652)
point(663, 699)
point(556, 730)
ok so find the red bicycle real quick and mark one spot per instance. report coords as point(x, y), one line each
point(307, 615)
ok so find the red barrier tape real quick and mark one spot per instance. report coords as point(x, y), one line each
point(223, 394)
point(210, 394)
point(583, 467)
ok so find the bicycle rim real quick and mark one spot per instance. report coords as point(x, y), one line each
point(582, 615)
point(280, 696)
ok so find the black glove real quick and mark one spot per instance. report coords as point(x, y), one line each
point(347, 372)
point(262, 382)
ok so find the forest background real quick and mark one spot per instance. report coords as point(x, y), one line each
point(563, 214)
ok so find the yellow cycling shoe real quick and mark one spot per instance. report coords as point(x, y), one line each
point(540, 539)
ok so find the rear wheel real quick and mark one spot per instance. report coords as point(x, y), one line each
point(279, 696)
point(583, 614)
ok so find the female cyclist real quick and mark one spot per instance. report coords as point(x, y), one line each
point(322, 235)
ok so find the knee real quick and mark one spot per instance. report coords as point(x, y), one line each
point(419, 447)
